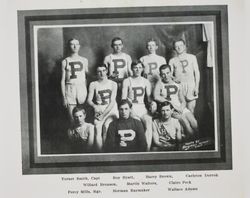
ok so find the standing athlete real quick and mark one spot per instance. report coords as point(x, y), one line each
point(73, 81)
point(125, 134)
point(118, 64)
point(186, 71)
point(166, 129)
point(152, 62)
point(102, 97)
point(137, 88)
point(168, 90)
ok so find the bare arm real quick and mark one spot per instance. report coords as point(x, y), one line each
point(125, 85)
point(157, 93)
point(129, 66)
point(65, 103)
point(148, 91)
point(91, 138)
point(196, 76)
point(178, 132)
point(91, 95)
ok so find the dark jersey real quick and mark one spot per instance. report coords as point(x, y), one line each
point(125, 135)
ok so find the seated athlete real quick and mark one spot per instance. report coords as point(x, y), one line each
point(168, 90)
point(73, 80)
point(135, 89)
point(125, 134)
point(102, 95)
point(166, 130)
point(152, 62)
point(186, 71)
point(82, 133)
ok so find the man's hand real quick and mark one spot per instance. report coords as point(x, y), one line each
point(65, 102)
point(196, 91)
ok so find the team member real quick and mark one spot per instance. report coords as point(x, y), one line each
point(136, 88)
point(73, 80)
point(102, 95)
point(166, 130)
point(118, 62)
point(125, 134)
point(186, 71)
point(168, 90)
point(82, 133)
point(152, 62)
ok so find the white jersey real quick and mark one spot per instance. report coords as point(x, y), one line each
point(118, 64)
point(103, 92)
point(168, 129)
point(75, 70)
point(137, 89)
point(170, 91)
point(183, 67)
point(151, 64)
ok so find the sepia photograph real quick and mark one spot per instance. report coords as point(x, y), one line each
point(124, 90)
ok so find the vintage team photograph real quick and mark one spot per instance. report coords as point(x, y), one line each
point(131, 90)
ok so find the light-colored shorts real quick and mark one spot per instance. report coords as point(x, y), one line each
point(75, 93)
point(188, 91)
point(139, 110)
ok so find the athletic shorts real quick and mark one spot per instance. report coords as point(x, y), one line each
point(188, 91)
point(75, 93)
point(139, 110)
point(113, 112)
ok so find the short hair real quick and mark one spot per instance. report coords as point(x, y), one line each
point(136, 62)
point(71, 39)
point(166, 103)
point(115, 39)
point(178, 40)
point(152, 40)
point(102, 65)
point(165, 66)
point(77, 109)
point(125, 101)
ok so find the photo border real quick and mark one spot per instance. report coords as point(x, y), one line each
point(32, 164)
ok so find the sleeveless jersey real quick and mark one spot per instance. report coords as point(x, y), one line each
point(75, 70)
point(103, 92)
point(118, 64)
point(170, 92)
point(183, 67)
point(151, 63)
point(137, 89)
point(167, 129)
point(84, 131)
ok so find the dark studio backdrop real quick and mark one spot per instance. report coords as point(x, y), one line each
point(95, 45)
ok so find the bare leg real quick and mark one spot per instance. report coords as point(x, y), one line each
point(147, 122)
point(192, 121)
point(105, 127)
point(98, 134)
point(191, 105)
point(70, 109)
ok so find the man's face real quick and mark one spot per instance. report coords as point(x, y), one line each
point(166, 75)
point(74, 46)
point(79, 118)
point(137, 70)
point(124, 111)
point(180, 47)
point(152, 47)
point(101, 72)
point(117, 46)
point(166, 112)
